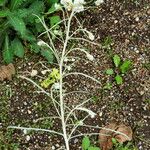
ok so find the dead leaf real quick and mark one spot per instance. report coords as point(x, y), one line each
point(105, 141)
point(6, 72)
point(125, 130)
point(106, 135)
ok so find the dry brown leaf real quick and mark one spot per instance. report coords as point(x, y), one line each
point(6, 72)
point(105, 141)
point(125, 130)
point(106, 136)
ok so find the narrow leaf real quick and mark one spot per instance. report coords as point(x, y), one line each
point(28, 36)
point(4, 13)
point(2, 2)
point(118, 79)
point(34, 47)
point(52, 1)
point(93, 148)
point(47, 54)
point(7, 53)
point(17, 47)
point(15, 4)
point(17, 23)
point(125, 66)
point(116, 60)
point(85, 143)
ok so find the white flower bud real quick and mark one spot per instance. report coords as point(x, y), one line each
point(44, 72)
point(98, 2)
point(89, 56)
point(57, 6)
point(73, 59)
point(65, 59)
point(91, 113)
point(56, 86)
point(91, 36)
point(68, 68)
point(41, 43)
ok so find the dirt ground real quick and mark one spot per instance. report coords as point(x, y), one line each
point(127, 24)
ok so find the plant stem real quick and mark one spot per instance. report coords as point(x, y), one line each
point(62, 109)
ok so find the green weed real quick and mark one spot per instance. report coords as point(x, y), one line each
point(19, 26)
point(121, 146)
point(86, 144)
point(120, 68)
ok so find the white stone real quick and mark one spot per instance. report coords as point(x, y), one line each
point(34, 73)
point(137, 19)
point(28, 138)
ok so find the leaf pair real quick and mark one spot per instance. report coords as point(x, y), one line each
point(86, 144)
point(124, 66)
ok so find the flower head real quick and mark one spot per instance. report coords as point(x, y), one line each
point(68, 4)
point(56, 86)
point(76, 5)
point(98, 2)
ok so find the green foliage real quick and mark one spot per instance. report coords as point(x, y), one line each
point(47, 53)
point(7, 53)
point(17, 47)
point(18, 23)
point(53, 1)
point(51, 79)
point(54, 20)
point(109, 71)
point(116, 60)
point(125, 66)
point(86, 144)
point(93, 148)
point(121, 146)
point(107, 42)
point(120, 69)
point(118, 79)
point(6, 141)
point(108, 86)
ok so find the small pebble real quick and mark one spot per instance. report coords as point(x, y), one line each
point(28, 138)
point(137, 19)
point(29, 112)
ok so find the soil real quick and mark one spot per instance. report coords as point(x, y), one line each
point(127, 23)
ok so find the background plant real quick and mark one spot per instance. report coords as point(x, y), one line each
point(19, 27)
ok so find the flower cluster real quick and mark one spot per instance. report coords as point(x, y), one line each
point(76, 5)
point(98, 2)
